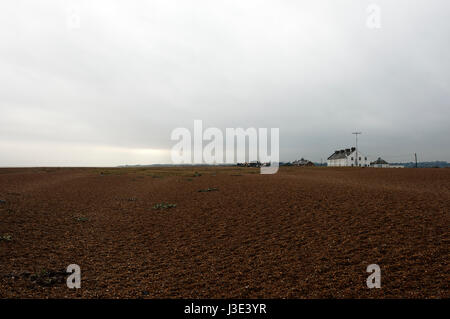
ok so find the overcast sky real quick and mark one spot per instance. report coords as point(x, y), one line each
point(86, 83)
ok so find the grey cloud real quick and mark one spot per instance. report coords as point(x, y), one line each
point(134, 71)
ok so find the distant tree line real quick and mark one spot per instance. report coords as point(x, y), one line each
point(424, 164)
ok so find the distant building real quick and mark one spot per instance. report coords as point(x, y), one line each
point(347, 157)
point(253, 164)
point(381, 163)
point(302, 162)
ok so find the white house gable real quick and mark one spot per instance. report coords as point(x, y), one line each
point(347, 157)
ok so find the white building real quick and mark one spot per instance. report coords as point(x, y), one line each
point(381, 163)
point(302, 162)
point(347, 157)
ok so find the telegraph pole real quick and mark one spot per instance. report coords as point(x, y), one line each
point(356, 135)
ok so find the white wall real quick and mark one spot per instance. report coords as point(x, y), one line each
point(381, 165)
point(363, 162)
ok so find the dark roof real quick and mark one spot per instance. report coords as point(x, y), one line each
point(379, 161)
point(302, 161)
point(341, 153)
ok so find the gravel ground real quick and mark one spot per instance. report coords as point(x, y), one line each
point(231, 233)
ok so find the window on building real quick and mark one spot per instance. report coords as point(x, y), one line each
point(365, 158)
point(352, 158)
point(360, 158)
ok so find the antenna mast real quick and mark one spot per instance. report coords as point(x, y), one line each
point(356, 158)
